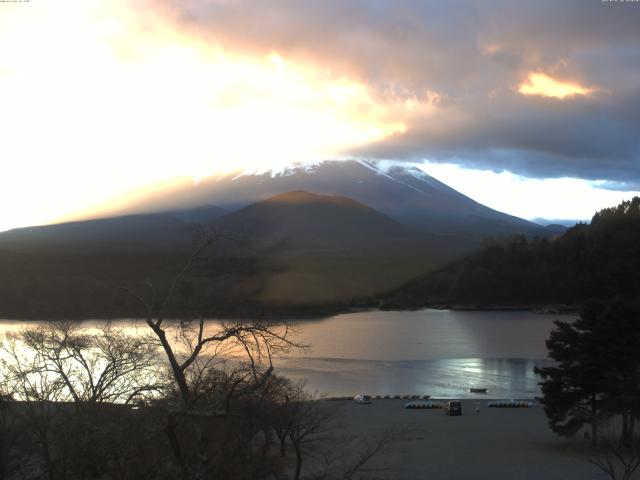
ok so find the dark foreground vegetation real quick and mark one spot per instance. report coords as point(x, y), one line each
point(595, 384)
point(79, 405)
point(596, 261)
point(179, 400)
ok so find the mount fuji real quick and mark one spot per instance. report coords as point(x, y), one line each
point(403, 193)
point(318, 235)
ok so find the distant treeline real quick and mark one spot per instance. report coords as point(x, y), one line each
point(600, 260)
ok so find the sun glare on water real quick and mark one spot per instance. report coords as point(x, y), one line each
point(97, 102)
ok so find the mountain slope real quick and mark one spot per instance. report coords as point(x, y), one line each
point(404, 193)
point(344, 231)
point(169, 230)
point(306, 220)
point(295, 249)
point(326, 248)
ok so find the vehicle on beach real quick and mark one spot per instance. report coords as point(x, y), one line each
point(362, 399)
point(453, 408)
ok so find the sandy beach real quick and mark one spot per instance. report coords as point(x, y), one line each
point(497, 443)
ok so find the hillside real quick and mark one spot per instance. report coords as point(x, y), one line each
point(402, 192)
point(303, 220)
point(600, 260)
point(326, 248)
point(295, 251)
point(318, 237)
point(162, 231)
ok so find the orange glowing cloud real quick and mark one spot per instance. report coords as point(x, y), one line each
point(97, 103)
point(545, 86)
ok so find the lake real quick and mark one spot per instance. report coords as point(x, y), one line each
point(437, 352)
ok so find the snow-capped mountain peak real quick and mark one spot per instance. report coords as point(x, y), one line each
point(401, 191)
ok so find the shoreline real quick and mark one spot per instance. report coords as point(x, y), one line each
point(312, 313)
point(428, 398)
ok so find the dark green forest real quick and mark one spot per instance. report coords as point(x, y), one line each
point(600, 260)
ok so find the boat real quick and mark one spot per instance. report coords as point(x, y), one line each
point(478, 390)
point(362, 399)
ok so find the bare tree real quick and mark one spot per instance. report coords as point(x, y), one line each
point(254, 342)
point(314, 428)
point(310, 420)
point(57, 361)
point(212, 364)
point(211, 382)
point(280, 391)
point(348, 457)
point(215, 363)
point(10, 437)
point(300, 419)
point(28, 379)
point(60, 374)
point(617, 459)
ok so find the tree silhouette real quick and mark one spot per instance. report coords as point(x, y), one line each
point(596, 261)
point(597, 374)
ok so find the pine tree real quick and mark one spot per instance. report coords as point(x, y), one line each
point(597, 374)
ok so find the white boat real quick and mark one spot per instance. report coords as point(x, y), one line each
point(362, 399)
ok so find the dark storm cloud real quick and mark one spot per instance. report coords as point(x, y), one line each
point(473, 54)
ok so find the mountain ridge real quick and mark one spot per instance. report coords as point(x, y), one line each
point(319, 235)
point(404, 193)
point(158, 230)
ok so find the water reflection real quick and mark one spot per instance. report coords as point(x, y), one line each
point(503, 377)
point(428, 334)
point(441, 353)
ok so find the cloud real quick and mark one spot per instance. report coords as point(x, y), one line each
point(98, 101)
point(481, 80)
point(545, 86)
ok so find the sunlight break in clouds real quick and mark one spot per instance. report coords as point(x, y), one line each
point(551, 198)
point(98, 100)
point(541, 84)
point(102, 99)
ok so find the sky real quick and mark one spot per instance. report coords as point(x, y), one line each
point(531, 107)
